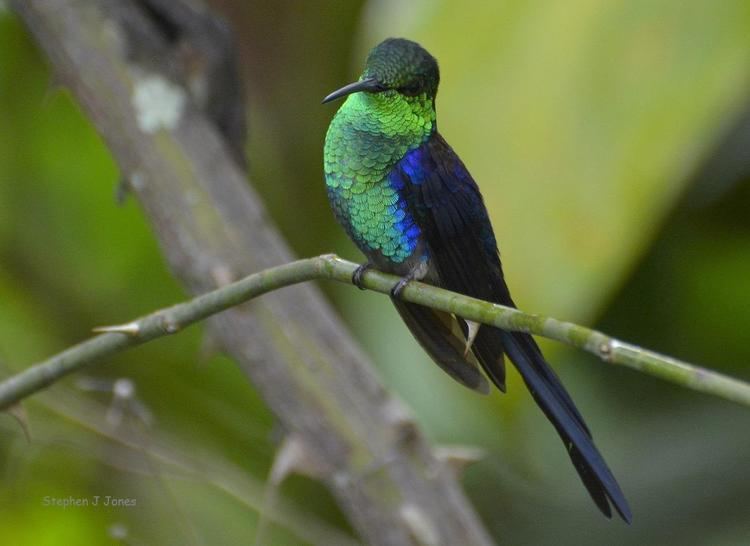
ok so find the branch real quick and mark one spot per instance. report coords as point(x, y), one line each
point(174, 319)
point(131, 65)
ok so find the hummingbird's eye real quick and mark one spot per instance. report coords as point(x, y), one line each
point(412, 88)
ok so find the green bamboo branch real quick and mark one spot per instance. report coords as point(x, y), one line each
point(115, 339)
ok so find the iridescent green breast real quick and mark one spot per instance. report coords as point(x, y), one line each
point(367, 137)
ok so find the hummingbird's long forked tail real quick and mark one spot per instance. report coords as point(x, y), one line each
point(554, 401)
point(438, 335)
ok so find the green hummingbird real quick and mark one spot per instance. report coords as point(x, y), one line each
point(408, 202)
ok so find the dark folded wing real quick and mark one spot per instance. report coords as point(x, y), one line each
point(435, 333)
point(447, 205)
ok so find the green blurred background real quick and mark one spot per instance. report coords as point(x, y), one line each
point(611, 140)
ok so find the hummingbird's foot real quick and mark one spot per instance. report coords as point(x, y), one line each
point(415, 274)
point(358, 273)
point(399, 287)
point(471, 334)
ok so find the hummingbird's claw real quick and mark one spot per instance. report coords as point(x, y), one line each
point(358, 273)
point(471, 335)
point(399, 287)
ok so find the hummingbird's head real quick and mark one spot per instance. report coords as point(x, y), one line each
point(396, 67)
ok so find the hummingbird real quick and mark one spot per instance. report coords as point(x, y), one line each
point(410, 205)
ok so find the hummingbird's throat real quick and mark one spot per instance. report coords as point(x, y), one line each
point(391, 114)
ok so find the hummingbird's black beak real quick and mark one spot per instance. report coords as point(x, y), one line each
point(368, 84)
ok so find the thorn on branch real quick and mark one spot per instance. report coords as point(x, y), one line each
point(420, 527)
point(130, 329)
point(401, 420)
point(169, 325)
point(459, 457)
point(124, 399)
point(20, 415)
point(294, 456)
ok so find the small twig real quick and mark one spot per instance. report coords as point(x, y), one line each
point(174, 319)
